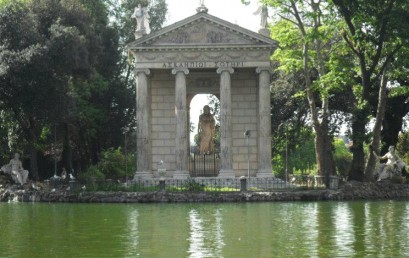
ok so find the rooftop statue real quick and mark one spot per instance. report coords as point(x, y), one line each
point(263, 11)
point(142, 20)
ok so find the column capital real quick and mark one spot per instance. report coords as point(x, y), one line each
point(225, 69)
point(176, 70)
point(263, 68)
point(142, 70)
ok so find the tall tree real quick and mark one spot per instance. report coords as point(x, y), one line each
point(306, 47)
point(373, 31)
point(42, 45)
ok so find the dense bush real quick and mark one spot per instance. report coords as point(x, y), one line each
point(112, 165)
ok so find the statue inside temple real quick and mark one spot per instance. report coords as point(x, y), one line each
point(207, 128)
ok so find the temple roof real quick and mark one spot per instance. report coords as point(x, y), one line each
point(202, 31)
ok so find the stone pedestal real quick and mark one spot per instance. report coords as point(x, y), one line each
point(226, 143)
point(140, 33)
point(265, 32)
point(264, 123)
point(181, 140)
point(143, 149)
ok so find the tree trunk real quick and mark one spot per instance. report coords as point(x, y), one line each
point(376, 140)
point(34, 161)
point(67, 150)
point(324, 155)
point(396, 109)
point(358, 136)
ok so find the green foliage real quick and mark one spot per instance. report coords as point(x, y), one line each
point(301, 155)
point(111, 166)
point(342, 157)
point(92, 172)
point(402, 147)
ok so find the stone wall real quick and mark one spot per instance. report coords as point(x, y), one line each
point(349, 191)
point(244, 117)
point(163, 129)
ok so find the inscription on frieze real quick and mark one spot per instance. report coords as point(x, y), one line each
point(200, 64)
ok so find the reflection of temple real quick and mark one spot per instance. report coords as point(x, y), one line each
point(203, 54)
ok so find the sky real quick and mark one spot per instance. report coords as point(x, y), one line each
point(230, 10)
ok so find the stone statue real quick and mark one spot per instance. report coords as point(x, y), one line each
point(142, 19)
point(64, 173)
point(263, 11)
point(15, 168)
point(393, 166)
point(202, 8)
point(207, 126)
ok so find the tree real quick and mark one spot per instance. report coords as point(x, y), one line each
point(42, 45)
point(373, 31)
point(306, 47)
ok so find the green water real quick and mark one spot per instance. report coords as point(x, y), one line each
point(314, 229)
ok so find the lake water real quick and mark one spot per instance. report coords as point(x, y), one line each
point(296, 229)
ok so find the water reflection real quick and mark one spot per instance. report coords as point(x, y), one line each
point(132, 237)
point(300, 229)
point(344, 230)
point(206, 234)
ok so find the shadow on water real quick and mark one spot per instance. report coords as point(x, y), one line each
point(297, 229)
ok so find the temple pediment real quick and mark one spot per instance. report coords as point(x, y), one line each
point(203, 30)
point(202, 41)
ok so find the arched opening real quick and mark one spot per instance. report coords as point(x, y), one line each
point(204, 135)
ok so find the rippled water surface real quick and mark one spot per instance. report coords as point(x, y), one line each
point(298, 229)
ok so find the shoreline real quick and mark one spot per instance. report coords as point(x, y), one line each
point(348, 191)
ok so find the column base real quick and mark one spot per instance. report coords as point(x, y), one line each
point(142, 175)
point(264, 173)
point(181, 174)
point(226, 173)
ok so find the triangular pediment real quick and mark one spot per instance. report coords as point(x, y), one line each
point(203, 30)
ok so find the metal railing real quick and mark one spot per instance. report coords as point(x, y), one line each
point(204, 165)
point(211, 185)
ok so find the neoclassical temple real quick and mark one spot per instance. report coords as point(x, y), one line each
point(203, 54)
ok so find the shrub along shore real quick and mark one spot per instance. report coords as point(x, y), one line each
point(347, 191)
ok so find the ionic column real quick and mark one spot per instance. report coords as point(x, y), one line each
point(181, 123)
point(143, 139)
point(264, 123)
point(226, 159)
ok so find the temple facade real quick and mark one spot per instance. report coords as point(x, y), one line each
point(203, 54)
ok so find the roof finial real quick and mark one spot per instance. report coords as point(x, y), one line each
point(202, 8)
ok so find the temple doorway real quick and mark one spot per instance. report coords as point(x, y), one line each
point(204, 135)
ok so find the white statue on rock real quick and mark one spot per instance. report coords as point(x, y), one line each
point(393, 166)
point(142, 21)
point(15, 168)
